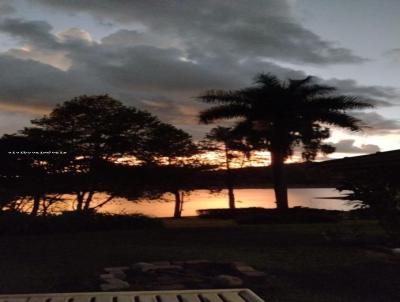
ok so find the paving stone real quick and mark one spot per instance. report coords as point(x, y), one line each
point(115, 285)
point(254, 274)
point(143, 266)
point(167, 267)
point(119, 274)
point(396, 251)
point(116, 268)
point(200, 261)
point(193, 264)
point(161, 263)
point(244, 268)
point(237, 263)
point(117, 281)
point(193, 279)
point(228, 281)
point(107, 276)
point(176, 275)
point(113, 274)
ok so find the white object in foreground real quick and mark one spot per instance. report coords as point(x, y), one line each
point(212, 295)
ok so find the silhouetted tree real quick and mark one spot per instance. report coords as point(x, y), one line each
point(281, 115)
point(10, 173)
point(92, 130)
point(27, 174)
point(224, 140)
point(173, 149)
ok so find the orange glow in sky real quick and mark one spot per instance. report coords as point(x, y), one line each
point(258, 159)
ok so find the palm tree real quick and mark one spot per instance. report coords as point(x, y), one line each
point(280, 116)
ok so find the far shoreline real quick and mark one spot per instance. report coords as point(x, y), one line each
point(270, 186)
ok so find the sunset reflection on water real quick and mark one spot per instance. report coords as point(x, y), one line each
point(204, 199)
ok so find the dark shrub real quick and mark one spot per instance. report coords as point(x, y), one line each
point(19, 223)
point(92, 221)
point(361, 214)
point(377, 192)
point(262, 215)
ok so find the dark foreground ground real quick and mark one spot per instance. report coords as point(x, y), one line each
point(301, 264)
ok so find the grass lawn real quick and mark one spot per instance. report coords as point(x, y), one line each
point(301, 265)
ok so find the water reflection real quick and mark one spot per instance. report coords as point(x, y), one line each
point(203, 199)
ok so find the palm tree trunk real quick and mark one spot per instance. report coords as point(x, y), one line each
point(231, 195)
point(229, 180)
point(279, 179)
point(178, 204)
point(229, 185)
point(36, 204)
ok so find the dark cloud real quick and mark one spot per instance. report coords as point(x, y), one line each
point(33, 32)
point(126, 38)
point(150, 71)
point(29, 82)
point(6, 9)
point(10, 121)
point(393, 54)
point(347, 146)
point(257, 28)
point(378, 124)
point(131, 68)
point(376, 95)
point(127, 59)
point(39, 34)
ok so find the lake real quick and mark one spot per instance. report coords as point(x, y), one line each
point(203, 199)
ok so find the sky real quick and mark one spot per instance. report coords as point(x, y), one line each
point(159, 55)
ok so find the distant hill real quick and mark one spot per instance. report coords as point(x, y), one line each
point(314, 174)
point(379, 159)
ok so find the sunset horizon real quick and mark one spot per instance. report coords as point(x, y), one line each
point(199, 151)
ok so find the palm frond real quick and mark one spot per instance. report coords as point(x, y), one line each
point(279, 115)
point(311, 91)
point(223, 112)
point(267, 80)
point(221, 96)
point(294, 83)
point(340, 102)
point(340, 119)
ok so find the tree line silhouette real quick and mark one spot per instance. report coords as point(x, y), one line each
point(96, 144)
